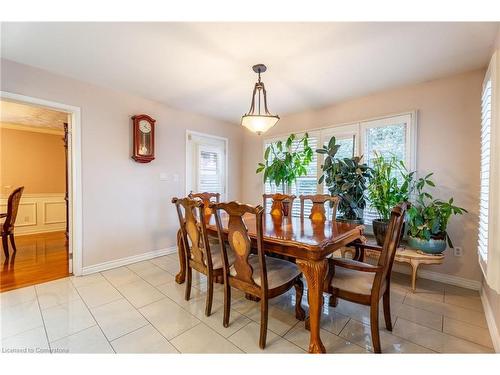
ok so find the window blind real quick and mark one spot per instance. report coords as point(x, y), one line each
point(270, 188)
point(485, 170)
point(308, 184)
point(210, 175)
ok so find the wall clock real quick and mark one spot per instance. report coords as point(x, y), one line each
point(144, 138)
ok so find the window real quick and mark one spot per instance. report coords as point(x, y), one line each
point(205, 164)
point(489, 199)
point(270, 188)
point(485, 170)
point(389, 135)
point(308, 184)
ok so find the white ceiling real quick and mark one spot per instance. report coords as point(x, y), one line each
point(32, 116)
point(206, 67)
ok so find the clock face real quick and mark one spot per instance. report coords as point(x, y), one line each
point(144, 126)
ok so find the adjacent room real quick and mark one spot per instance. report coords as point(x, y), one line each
point(239, 187)
point(34, 185)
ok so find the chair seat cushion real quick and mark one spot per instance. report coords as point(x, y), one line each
point(279, 271)
point(352, 280)
point(216, 252)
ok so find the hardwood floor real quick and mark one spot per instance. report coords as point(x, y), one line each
point(39, 258)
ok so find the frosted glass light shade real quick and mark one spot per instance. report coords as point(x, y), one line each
point(259, 123)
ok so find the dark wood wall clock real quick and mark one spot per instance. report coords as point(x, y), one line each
point(144, 138)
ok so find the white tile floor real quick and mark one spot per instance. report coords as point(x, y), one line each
point(140, 309)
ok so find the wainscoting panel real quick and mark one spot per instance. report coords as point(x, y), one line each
point(39, 213)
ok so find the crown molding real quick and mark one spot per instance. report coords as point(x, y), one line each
point(33, 129)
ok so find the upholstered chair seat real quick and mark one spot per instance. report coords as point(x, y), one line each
point(353, 281)
point(279, 271)
point(216, 252)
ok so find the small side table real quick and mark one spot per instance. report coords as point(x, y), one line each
point(404, 254)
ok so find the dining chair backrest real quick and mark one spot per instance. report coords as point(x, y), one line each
point(392, 239)
point(193, 230)
point(206, 198)
point(240, 241)
point(277, 208)
point(12, 208)
point(318, 212)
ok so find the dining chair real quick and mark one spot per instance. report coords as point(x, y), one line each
point(206, 198)
point(257, 275)
point(7, 227)
point(318, 212)
point(200, 254)
point(282, 204)
point(364, 283)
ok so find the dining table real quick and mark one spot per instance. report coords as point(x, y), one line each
point(307, 242)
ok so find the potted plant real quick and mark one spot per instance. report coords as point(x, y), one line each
point(390, 184)
point(428, 219)
point(346, 178)
point(285, 161)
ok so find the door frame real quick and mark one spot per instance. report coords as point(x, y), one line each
point(74, 171)
point(226, 159)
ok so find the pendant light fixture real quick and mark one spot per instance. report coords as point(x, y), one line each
point(254, 120)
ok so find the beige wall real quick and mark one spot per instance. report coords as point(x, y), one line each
point(126, 208)
point(33, 160)
point(448, 145)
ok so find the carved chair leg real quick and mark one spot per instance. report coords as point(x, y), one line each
point(227, 303)
point(387, 309)
point(263, 322)
point(12, 242)
point(210, 294)
point(374, 327)
point(5, 245)
point(189, 277)
point(308, 324)
point(333, 301)
point(181, 276)
point(300, 314)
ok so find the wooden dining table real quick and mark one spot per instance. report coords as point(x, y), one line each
point(308, 242)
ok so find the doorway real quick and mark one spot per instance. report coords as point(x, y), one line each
point(206, 164)
point(38, 152)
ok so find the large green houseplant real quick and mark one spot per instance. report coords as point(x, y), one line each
point(428, 219)
point(285, 161)
point(390, 184)
point(346, 178)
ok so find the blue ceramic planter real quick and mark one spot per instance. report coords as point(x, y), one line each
point(431, 246)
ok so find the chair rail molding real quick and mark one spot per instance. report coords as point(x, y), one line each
point(39, 213)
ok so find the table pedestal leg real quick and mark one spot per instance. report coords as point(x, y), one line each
point(315, 273)
point(181, 276)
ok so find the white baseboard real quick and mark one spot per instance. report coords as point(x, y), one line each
point(490, 320)
point(28, 231)
point(128, 260)
point(441, 277)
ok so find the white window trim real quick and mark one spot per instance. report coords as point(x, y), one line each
point(411, 135)
point(189, 167)
point(491, 267)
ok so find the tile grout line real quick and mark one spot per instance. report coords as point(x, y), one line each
point(90, 311)
point(200, 321)
point(137, 309)
point(43, 320)
point(251, 320)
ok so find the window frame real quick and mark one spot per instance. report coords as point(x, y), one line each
point(357, 128)
point(192, 148)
